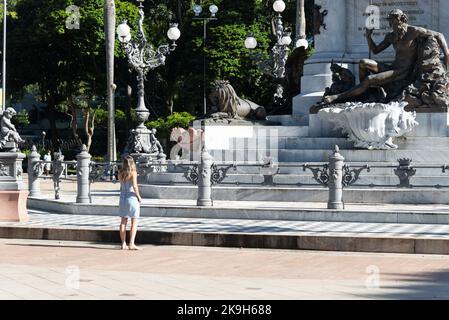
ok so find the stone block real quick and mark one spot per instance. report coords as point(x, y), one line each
point(11, 171)
point(320, 128)
point(431, 125)
point(303, 102)
point(13, 206)
point(317, 82)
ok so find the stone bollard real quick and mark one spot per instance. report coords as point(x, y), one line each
point(162, 159)
point(204, 180)
point(82, 174)
point(336, 163)
point(34, 171)
point(58, 170)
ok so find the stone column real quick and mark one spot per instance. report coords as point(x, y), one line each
point(204, 180)
point(330, 45)
point(336, 163)
point(331, 42)
point(33, 173)
point(82, 173)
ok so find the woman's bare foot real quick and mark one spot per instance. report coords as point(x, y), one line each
point(134, 247)
point(124, 246)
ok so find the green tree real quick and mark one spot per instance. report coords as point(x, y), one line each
point(43, 50)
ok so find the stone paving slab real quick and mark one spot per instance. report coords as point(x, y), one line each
point(32, 269)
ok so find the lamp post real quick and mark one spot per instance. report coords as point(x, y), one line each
point(198, 9)
point(143, 58)
point(275, 66)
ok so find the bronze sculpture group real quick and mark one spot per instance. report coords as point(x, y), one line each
point(417, 75)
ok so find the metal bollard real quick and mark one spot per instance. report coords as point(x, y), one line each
point(82, 175)
point(336, 163)
point(204, 180)
point(34, 171)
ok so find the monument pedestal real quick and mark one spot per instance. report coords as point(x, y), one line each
point(13, 206)
point(13, 196)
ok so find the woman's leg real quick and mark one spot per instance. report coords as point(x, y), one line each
point(123, 224)
point(132, 245)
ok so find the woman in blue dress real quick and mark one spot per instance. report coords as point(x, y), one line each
point(130, 200)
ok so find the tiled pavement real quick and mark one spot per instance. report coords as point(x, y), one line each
point(78, 270)
point(62, 221)
point(36, 269)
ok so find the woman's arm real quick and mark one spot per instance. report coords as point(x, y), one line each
point(136, 187)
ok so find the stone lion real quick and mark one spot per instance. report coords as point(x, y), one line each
point(230, 106)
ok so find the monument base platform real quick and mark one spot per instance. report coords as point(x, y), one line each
point(13, 206)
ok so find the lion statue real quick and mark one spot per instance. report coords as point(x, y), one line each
point(230, 106)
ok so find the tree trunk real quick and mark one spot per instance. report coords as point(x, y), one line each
point(74, 123)
point(170, 104)
point(109, 28)
point(129, 102)
point(300, 19)
point(89, 127)
point(51, 105)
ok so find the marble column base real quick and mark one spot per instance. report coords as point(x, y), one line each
point(13, 206)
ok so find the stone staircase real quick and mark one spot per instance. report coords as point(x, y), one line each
point(296, 142)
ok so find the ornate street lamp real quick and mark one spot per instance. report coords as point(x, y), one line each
point(275, 66)
point(143, 58)
point(198, 9)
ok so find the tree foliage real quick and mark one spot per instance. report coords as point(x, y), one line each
point(68, 65)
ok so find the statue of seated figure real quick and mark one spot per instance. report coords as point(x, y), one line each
point(392, 80)
point(9, 137)
point(342, 80)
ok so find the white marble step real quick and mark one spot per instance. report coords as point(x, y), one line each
point(366, 179)
point(369, 156)
point(290, 120)
point(257, 131)
point(314, 143)
point(301, 194)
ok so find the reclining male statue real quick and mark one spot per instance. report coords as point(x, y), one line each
point(405, 40)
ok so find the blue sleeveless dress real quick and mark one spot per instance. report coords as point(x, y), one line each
point(129, 205)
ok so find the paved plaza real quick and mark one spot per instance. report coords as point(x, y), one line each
point(32, 269)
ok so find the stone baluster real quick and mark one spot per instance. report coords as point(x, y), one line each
point(82, 174)
point(204, 180)
point(34, 170)
point(336, 163)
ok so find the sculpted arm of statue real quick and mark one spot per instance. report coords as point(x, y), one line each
point(377, 48)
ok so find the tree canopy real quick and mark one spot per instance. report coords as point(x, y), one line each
point(68, 64)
